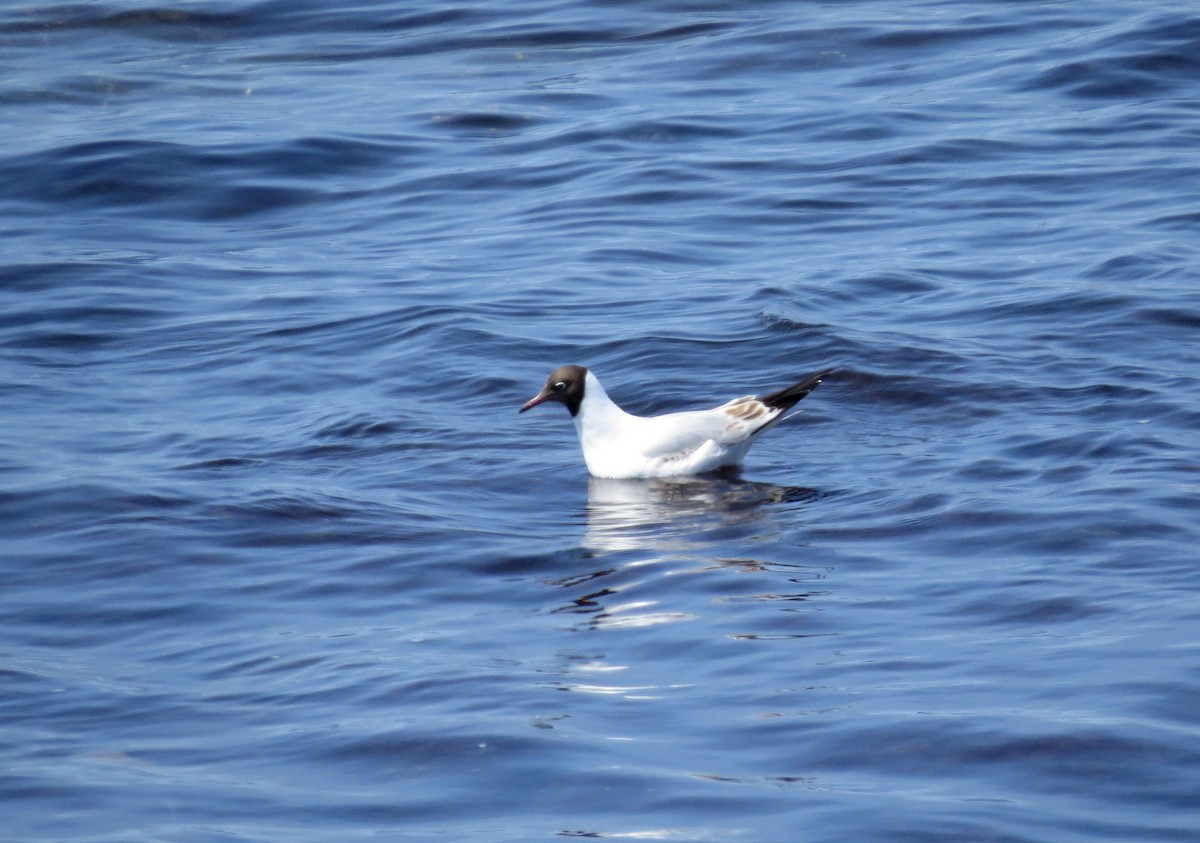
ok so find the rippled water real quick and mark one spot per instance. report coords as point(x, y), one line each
point(281, 562)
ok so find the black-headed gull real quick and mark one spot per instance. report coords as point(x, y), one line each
point(620, 446)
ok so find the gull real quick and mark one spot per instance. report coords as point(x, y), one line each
point(621, 446)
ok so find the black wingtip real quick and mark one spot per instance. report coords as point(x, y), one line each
point(789, 396)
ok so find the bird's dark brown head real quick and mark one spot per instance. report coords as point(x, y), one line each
point(564, 385)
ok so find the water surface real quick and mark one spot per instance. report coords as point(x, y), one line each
point(282, 563)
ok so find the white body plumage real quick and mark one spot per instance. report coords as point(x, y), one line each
point(620, 445)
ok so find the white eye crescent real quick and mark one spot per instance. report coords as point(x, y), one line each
point(560, 385)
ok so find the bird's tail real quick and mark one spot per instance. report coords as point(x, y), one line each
point(789, 396)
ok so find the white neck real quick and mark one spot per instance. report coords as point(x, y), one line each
point(597, 411)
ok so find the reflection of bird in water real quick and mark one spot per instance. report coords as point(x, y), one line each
point(677, 513)
point(690, 522)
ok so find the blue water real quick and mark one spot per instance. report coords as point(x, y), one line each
point(281, 562)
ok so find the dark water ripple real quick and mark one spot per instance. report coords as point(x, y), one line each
point(281, 562)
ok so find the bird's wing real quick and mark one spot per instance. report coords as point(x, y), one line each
point(681, 433)
point(743, 417)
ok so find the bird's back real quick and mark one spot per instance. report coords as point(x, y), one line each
point(675, 444)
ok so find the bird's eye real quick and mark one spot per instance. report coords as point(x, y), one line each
point(560, 386)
